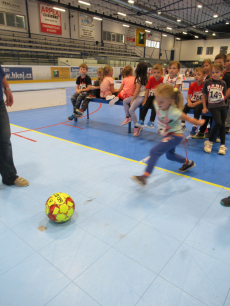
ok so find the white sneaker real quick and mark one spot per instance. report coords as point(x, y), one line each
point(110, 97)
point(222, 150)
point(208, 146)
point(113, 101)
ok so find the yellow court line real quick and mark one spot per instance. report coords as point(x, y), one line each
point(125, 158)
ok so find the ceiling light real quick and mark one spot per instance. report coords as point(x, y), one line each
point(125, 25)
point(147, 31)
point(178, 20)
point(213, 34)
point(83, 2)
point(131, 1)
point(97, 18)
point(185, 33)
point(206, 31)
point(226, 22)
point(158, 13)
point(148, 22)
point(57, 9)
point(164, 35)
point(122, 14)
point(199, 6)
point(169, 28)
point(196, 36)
point(178, 38)
point(215, 16)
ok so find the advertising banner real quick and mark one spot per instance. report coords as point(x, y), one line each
point(86, 26)
point(140, 37)
point(50, 19)
point(60, 72)
point(131, 36)
point(12, 6)
point(16, 73)
point(92, 72)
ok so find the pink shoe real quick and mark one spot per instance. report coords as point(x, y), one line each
point(137, 131)
point(126, 121)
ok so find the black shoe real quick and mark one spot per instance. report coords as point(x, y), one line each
point(187, 166)
point(141, 180)
point(226, 130)
point(225, 202)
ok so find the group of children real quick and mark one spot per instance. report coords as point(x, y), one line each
point(209, 93)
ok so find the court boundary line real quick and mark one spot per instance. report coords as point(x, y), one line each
point(125, 158)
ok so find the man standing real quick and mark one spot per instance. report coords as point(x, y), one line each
point(7, 168)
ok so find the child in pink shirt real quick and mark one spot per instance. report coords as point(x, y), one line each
point(127, 86)
point(107, 84)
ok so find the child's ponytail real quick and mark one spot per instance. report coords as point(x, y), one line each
point(106, 71)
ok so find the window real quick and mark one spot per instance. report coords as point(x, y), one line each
point(209, 50)
point(224, 50)
point(115, 37)
point(152, 44)
point(2, 21)
point(199, 50)
point(12, 20)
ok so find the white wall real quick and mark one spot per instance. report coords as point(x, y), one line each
point(189, 49)
point(167, 44)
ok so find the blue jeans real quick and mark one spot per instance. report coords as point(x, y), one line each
point(168, 146)
point(7, 168)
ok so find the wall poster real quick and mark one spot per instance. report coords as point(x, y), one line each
point(140, 37)
point(50, 19)
point(130, 38)
point(86, 26)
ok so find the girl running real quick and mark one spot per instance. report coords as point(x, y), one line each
point(168, 105)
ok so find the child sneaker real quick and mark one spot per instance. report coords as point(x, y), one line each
point(141, 180)
point(222, 150)
point(110, 97)
point(208, 146)
point(186, 166)
point(183, 127)
point(91, 97)
point(198, 135)
point(140, 123)
point(113, 101)
point(217, 139)
point(193, 131)
point(150, 125)
point(79, 111)
point(126, 121)
point(225, 202)
point(137, 131)
point(71, 117)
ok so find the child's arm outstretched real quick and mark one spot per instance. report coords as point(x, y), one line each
point(194, 121)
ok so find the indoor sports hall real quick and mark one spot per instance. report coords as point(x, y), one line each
point(165, 244)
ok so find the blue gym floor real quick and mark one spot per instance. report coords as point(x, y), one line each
point(165, 245)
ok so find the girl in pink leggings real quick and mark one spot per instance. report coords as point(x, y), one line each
point(132, 103)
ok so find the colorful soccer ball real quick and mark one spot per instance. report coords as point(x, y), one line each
point(59, 207)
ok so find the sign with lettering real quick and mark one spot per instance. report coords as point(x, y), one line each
point(12, 6)
point(18, 73)
point(50, 19)
point(86, 26)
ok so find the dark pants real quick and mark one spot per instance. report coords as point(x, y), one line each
point(86, 100)
point(148, 105)
point(76, 99)
point(204, 126)
point(219, 116)
point(7, 168)
point(197, 110)
point(168, 146)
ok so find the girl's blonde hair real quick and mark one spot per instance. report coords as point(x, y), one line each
point(127, 71)
point(218, 66)
point(168, 91)
point(208, 61)
point(106, 71)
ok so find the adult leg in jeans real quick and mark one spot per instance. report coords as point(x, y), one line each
point(219, 116)
point(136, 103)
point(7, 168)
point(146, 107)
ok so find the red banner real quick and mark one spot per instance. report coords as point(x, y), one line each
point(50, 20)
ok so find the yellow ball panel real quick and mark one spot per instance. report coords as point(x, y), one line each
point(56, 211)
point(64, 208)
point(47, 209)
point(61, 217)
point(70, 204)
point(70, 212)
point(65, 195)
point(51, 201)
point(59, 198)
